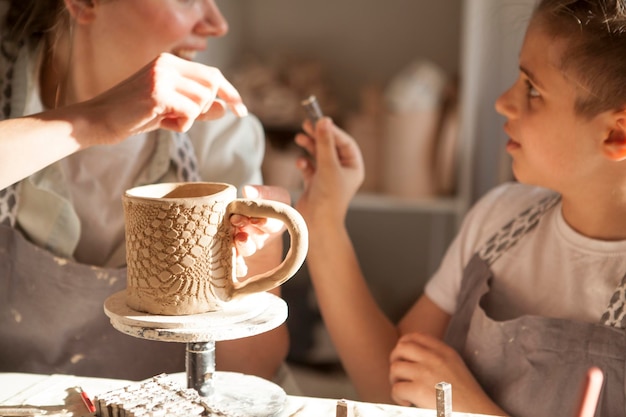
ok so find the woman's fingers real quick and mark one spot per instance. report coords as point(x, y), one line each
point(212, 80)
point(169, 92)
point(252, 233)
point(216, 110)
point(198, 91)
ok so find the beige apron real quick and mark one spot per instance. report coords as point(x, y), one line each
point(534, 366)
point(52, 319)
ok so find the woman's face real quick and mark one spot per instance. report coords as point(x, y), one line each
point(127, 34)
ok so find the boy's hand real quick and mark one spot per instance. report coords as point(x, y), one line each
point(332, 175)
point(420, 361)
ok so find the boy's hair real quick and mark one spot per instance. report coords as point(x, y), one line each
point(595, 31)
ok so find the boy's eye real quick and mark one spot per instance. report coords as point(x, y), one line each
point(531, 91)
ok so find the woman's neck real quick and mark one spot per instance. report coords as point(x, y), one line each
point(54, 75)
point(68, 73)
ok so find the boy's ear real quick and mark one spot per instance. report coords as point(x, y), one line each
point(614, 146)
point(83, 11)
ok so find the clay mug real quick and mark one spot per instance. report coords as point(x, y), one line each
point(180, 246)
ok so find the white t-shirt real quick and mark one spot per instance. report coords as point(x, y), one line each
point(95, 176)
point(552, 271)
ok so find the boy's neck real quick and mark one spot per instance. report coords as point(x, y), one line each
point(597, 216)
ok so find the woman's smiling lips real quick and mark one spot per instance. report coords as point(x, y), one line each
point(188, 54)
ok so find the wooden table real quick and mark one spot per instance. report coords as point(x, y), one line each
point(58, 395)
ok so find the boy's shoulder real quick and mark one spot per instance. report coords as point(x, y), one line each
point(501, 205)
point(513, 197)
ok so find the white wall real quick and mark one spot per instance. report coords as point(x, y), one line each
point(492, 36)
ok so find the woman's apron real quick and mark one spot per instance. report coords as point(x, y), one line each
point(52, 309)
point(52, 318)
point(534, 366)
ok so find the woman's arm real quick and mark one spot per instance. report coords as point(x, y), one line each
point(28, 144)
point(168, 93)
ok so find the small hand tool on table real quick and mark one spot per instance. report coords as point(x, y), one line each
point(444, 399)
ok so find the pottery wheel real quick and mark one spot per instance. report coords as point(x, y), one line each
point(233, 394)
point(248, 316)
point(241, 395)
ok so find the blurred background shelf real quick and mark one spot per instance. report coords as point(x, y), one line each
point(382, 202)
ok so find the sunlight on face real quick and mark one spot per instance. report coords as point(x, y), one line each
point(127, 34)
point(550, 144)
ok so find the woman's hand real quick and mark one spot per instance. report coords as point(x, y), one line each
point(332, 175)
point(421, 361)
point(169, 93)
point(253, 234)
point(259, 240)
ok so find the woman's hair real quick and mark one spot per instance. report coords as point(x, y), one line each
point(27, 18)
point(595, 55)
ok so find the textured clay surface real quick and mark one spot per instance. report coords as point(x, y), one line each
point(172, 250)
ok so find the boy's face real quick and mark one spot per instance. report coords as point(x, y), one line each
point(551, 146)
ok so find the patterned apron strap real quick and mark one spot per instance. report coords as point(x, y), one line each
point(183, 156)
point(9, 197)
point(477, 273)
point(615, 314)
point(9, 200)
point(513, 231)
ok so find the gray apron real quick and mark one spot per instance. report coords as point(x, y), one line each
point(51, 309)
point(52, 318)
point(534, 366)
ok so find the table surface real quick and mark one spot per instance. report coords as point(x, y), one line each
point(59, 395)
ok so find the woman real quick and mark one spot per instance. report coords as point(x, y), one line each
point(97, 97)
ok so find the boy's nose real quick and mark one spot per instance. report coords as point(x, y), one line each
point(504, 104)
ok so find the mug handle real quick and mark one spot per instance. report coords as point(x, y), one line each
point(298, 246)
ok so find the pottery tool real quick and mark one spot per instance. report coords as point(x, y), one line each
point(342, 408)
point(86, 400)
point(592, 387)
point(312, 108)
point(444, 399)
